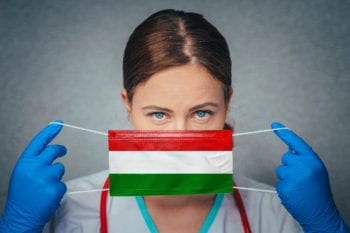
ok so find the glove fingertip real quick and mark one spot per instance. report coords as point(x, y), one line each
point(56, 125)
point(54, 128)
point(62, 150)
point(275, 125)
point(43, 138)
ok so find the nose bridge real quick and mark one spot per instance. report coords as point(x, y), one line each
point(180, 124)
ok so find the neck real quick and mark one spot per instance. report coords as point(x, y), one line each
point(179, 201)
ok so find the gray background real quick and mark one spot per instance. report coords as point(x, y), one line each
point(291, 63)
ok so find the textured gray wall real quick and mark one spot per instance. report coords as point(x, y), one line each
point(291, 63)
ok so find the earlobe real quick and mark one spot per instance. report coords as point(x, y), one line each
point(230, 94)
point(124, 95)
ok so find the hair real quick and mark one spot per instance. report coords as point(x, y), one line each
point(170, 38)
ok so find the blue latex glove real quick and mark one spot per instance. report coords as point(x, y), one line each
point(35, 189)
point(304, 186)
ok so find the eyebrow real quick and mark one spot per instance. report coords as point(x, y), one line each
point(206, 104)
point(161, 109)
point(154, 107)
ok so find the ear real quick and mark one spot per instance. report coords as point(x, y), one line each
point(230, 94)
point(127, 104)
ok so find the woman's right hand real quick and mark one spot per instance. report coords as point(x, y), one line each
point(304, 186)
point(35, 188)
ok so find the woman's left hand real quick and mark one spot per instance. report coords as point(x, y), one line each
point(304, 188)
point(35, 189)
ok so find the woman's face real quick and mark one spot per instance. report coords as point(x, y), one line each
point(180, 98)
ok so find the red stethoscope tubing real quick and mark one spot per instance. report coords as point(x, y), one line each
point(103, 209)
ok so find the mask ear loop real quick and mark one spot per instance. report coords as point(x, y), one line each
point(105, 190)
point(105, 134)
point(234, 135)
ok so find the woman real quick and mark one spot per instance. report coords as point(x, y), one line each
point(177, 76)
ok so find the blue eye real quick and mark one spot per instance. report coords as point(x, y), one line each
point(158, 115)
point(202, 114)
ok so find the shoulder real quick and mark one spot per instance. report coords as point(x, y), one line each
point(264, 210)
point(80, 211)
point(93, 181)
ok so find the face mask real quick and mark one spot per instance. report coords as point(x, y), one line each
point(170, 162)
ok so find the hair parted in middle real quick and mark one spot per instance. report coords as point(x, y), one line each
point(170, 38)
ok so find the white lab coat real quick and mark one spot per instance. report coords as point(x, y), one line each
point(80, 212)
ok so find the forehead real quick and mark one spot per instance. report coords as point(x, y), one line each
point(188, 84)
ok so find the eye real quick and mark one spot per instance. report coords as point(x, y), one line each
point(158, 115)
point(202, 114)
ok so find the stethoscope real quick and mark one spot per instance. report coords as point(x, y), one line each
point(103, 209)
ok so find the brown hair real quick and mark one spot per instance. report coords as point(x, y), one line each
point(171, 38)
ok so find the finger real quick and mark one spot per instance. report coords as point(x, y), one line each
point(62, 189)
point(294, 142)
point(280, 188)
point(56, 171)
point(44, 137)
point(58, 190)
point(282, 172)
point(290, 159)
point(54, 195)
point(52, 152)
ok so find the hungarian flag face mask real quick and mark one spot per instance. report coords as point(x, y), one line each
point(170, 162)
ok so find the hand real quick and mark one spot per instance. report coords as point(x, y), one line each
point(35, 189)
point(304, 186)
